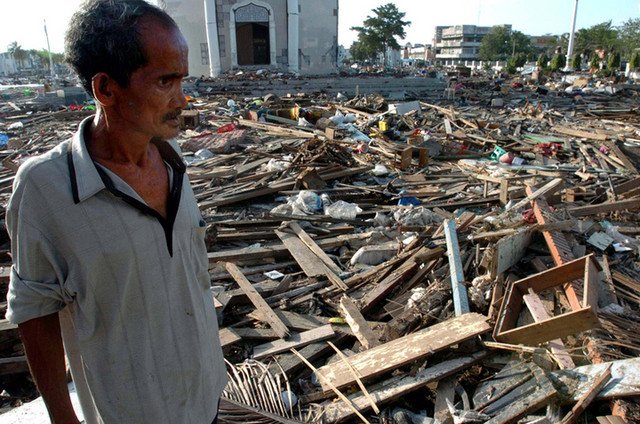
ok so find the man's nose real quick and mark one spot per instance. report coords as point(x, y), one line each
point(179, 98)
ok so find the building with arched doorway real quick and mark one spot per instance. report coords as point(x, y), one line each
point(292, 35)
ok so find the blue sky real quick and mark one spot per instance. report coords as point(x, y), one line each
point(22, 20)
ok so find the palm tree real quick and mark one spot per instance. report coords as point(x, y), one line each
point(17, 52)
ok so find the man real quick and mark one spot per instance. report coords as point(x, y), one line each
point(108, 242)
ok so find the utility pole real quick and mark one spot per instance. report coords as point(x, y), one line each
point(572, 37)
point(49, 50)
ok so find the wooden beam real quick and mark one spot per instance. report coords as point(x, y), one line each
point(307, 259)
point(278, 250)
point(265, 310)
point(579, 133)
point(293, 342)
point(407, 349)
point(302, 235)
point(620, 205)
point(539, 314)
point(396, 387)
point(588, 396)
point(358, 324)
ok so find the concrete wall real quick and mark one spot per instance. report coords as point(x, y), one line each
point(7, 65)
point(189, 15)
point(318, 36)
point(318, 33)
point(279, 7)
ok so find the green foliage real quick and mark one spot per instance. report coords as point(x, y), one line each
point(601, 36)
point(542, 61)
point(613, 61)
point(634, 62)
point(629, 36)
point(501, 43)
point(595, 61)
point(17, 52)
point(516, 61)
point(380, 31)
point(558, 62)
point(362, 51)
point(576, 62)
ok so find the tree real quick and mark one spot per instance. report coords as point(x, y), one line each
point(361, 51)
point(17, 52)
point(516, 61)
point(613, 61)
point(629, 36)
point(501, 43)
point(576, 62)
point(601, 36)
point(542, 61)
point(634, 62)
point(558, 62)
point(379, 32)
point(594, 64)
point(496, 44)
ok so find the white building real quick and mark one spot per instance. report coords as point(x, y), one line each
point(293, 35)
point(460, 43)
point(8, 64)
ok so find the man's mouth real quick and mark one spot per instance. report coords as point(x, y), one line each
point(172, 118)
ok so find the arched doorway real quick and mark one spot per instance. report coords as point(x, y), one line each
point(252, 34)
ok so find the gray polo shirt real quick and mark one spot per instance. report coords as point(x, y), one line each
point(139, 325)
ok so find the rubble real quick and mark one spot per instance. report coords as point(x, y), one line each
point(465, 253)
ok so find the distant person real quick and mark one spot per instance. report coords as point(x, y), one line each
point(108, 241)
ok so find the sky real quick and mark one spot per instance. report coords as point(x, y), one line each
point(23, 20)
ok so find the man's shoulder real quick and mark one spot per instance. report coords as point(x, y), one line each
point(45, 168)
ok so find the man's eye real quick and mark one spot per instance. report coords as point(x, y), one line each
point(165, 81)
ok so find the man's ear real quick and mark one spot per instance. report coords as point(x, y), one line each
point(102, 86)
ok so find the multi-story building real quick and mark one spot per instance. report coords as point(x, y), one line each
point(415, 52)
point(296, 35)
point(459, 43)
point(545, 43)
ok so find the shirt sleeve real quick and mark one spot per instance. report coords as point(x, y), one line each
point(36, 284)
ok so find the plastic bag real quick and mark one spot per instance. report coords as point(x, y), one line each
point(342, 210)
point(308, 202)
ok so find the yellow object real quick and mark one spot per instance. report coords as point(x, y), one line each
point(382, 125)
point(337, 320)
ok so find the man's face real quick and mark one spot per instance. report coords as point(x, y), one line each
point(153, 100)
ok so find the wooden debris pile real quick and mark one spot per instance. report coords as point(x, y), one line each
point(403, 261)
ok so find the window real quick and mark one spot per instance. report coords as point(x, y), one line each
point(204, 53)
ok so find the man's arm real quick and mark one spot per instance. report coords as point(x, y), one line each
point(45, 353)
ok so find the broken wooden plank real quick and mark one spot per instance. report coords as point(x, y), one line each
point(548, 188)
point(358, 324)
point(314, 247)
point(386, 286)
point(624, 382)
point(279, 250)
point(404, 350)
point(294, 341)
point(460, 297)
point(294, 320)
point(265, 310)
point(588, 396)
point(307, 259)
point(539, 314)
point(579, 133)
point(543, 392)
point(446, 391)
point(620, 205)
point(395, 387)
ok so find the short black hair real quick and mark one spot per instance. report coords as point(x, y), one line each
point(103, 36)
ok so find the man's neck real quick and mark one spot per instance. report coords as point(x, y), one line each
point(110, 141)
